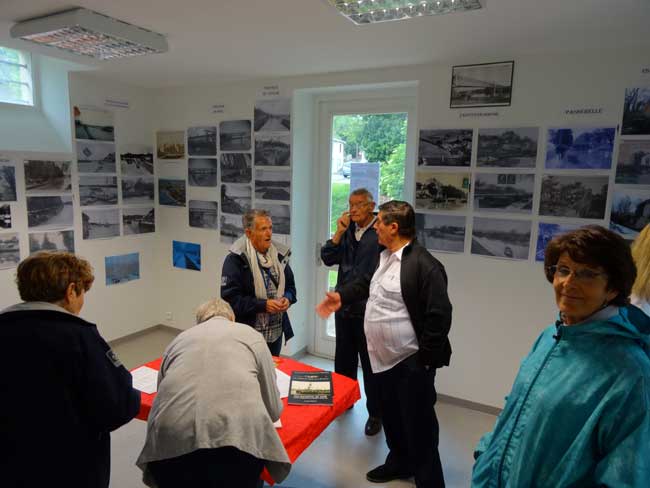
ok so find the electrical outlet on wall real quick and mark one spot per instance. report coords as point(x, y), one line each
point(169, 317)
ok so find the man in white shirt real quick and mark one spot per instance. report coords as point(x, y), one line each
point(406, 323)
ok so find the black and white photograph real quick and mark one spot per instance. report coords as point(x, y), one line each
point(97, 190)
point(137, 189)
point(512, 193)
point(95, 157)
point(441, 191)
point(451, 147)
point(93, 124)
point(236, 199)
point(122, 268)
point(100, 223)
point(273, 115)
point(171, 192)
point(281, 218)
point(236, 167)
point(582, 197)
point(630, 212)
point(47, 176)
point(51, 241)
point(272, 150)
point(138, 220)
point(501, 238)
point(7, 183)
point(202, 141)
point(5, 216)
point(507, 148)
point(231, 228)
point(441, 232)
point(170, 144)
point(273, 184)
point(482, 85)
point(204, 214)
point(9, 251)
point(50, 212)
point(633, 167)
point(636, 116)
point(580, 148)
point(202, 172)
point(235, 135)
point(136, 160)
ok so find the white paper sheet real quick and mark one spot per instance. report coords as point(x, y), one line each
point(282, 380)
point(145, 379)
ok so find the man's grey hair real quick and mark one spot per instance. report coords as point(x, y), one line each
point(217, 307)
point(362, 192)
point(248, 219)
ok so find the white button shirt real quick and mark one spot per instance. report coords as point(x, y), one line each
point(387, 324)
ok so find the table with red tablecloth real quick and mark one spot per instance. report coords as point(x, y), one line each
point(301, 424)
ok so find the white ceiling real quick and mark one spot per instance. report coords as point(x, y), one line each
point(223, 40)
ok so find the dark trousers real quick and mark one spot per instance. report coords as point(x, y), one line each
point(350, 346)
point(276, 346)
point(408, 396)
point(223, 467)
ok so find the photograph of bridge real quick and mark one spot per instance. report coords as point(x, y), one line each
point(511, 193)
point(507, 148)
point(441, 232)
point(236, 167)
point(452, 147)
point(95, 157)
point(273, 115)
point(202, 141)
point(482, 85)
point(503, 238)
point(51, 241)
point(235, 135)
point(204, 214)
point(202, 172)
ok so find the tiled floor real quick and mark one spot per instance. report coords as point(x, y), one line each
point(341, 455)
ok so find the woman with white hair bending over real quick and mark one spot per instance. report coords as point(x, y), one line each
point(211, 424)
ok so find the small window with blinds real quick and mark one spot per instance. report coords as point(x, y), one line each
point(15, 77)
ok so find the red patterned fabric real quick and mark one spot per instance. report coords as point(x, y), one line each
point(301, 424)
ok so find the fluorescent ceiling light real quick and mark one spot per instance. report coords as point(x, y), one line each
point(372, 11)
point(84, 32)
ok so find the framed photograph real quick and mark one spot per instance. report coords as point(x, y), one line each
point(511, 193)
point(502, 238)
point(446, 147)
point(482, 85)
point(441, 232)
point(581, 197)
point(580, 148)
point(122, 268)
point(441, 191)
point(636, 118)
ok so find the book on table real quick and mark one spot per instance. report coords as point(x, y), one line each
point(311, 388)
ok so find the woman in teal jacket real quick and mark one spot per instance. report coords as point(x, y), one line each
point(578, 414)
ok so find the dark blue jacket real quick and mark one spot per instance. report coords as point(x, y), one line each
point(238, 289)
point(63, 390)
point(355, 258)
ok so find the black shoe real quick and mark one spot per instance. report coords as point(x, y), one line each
point(385, 473)
point(373, 426)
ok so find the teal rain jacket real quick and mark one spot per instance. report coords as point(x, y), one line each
point(578, 414)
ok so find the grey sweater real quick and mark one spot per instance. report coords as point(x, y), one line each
point(216, 388)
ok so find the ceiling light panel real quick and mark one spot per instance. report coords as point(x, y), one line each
point(372, 11)
point(87, 33)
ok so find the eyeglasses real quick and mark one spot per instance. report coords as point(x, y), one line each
point(358, 205)
point(584, 275)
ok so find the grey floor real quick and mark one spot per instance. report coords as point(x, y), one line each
point(341, 455)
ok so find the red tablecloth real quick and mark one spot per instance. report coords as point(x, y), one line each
point(301, 424)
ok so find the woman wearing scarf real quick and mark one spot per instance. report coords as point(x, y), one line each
point(257, 281)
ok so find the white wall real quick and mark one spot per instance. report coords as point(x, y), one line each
point(499, 306)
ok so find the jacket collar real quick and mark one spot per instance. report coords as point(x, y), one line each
point(239, 247)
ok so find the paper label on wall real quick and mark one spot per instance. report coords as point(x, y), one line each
point(584, 111)
point(112, 102)
point(268, 91)
point(218, 108)
point(474, 115)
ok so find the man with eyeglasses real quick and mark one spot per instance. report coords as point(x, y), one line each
point(355, 249)
point(407, 320)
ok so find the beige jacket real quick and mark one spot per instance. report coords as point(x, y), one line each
point(216, 388)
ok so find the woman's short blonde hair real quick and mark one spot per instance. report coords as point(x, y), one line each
point(216, 307)
point(641, 255)
point(46, 275)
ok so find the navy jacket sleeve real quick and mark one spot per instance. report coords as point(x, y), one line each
point(109, 398)
point(233, 289)
point(289, 285)
point(356, 290)
point(330, 253)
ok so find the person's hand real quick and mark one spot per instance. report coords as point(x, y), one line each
point(330, 305)
point(275, 305)
point(285, 303)
point(343, 222)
